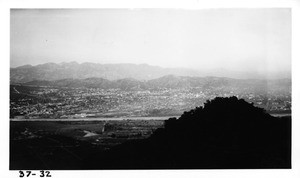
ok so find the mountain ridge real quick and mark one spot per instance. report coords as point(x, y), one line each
point(54, 71)
point(169, 81)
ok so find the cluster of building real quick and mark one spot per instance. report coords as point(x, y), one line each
point(50, 102)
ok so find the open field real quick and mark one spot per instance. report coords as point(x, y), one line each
point(46, 143)
point(100, 132)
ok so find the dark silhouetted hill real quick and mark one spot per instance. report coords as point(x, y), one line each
point(225, 133)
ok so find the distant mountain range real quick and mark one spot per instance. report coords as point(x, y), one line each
point(76, 71)
point(172, 82)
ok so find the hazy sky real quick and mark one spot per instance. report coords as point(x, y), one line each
point(235, 39)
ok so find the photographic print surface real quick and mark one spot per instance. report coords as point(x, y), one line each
point(150, 89)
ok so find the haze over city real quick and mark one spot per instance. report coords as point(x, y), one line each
point(150, 89)
point(250, 40)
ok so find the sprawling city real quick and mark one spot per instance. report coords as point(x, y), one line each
point(32, 102)
point(115, 89)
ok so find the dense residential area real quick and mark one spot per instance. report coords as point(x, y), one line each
point(171, 99)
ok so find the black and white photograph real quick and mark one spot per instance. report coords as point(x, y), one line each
point(96, 89)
